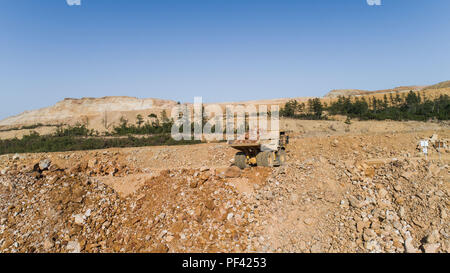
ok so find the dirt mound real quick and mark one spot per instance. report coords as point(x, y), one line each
point(55, 212)
point(65, 210)
point(400, 208)
point(187, 211)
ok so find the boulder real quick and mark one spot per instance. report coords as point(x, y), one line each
point(44, 164)
point(73, 247)
point(409, 247)
point(431, 248)
point(233, 172)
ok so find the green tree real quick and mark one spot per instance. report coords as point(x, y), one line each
point(139, 120)
point(164, 117)
point(290, 109)
point(316, 107)
point(385, 102)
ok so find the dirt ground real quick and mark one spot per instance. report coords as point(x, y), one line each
point(363, 187)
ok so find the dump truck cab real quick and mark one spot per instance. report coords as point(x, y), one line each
point(267, 150)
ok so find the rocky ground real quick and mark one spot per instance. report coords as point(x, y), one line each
point(359, 192)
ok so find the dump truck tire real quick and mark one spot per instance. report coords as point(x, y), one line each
point(269, 159)
point(260, 162)
point(282, 156)
point(264, 159)
point(239, 160)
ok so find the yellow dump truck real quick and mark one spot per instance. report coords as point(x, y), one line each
point(265, 151)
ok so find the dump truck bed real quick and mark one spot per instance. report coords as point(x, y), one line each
point(243, 142)
point(246, 146)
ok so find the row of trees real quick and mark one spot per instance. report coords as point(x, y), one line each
point(159, 127)
point(156, 126)
point(313, 110)
point(34, 126)
point(150, 127)
point(406, 107)
point(412, 106)
point(79, 137)
point(35, 143)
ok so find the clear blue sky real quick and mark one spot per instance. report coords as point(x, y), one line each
point(223, 50)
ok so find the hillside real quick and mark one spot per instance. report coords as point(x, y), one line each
point(103, 113)
point(357, 92)
point(96, 112)
point(440, 85)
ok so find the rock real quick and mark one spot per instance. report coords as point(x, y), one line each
point(92, 163)
point(73, 247)
point(199, 214)
point(398, 187)
point(355, 202)
point(401, 212)
point(79, 219)
point(48, 244)
point(233, 172)
point(308, 221)
point(397, 243)
point(87, 213)
point(160, 248)
point(193, 184)
point(431, 248)
point(373, 246)
point(361, 225)
point(408, 175)
point(169, 238)
point(230, 216)
point(54, 168)
point(433, 237)
point(375, 225)
point(434, 138)
point(210, 205)
point(220, 172)
point(409, 247)
point(302, 246)
point(44, 164)
point(383, 193)
point(316, 248)
point(16, 157)
point(400, 200)
point(3, 172)
point(443, 213)
point(369, 235)
point(369, 172)
point(205, 176)
point(335, 143)
point(36, 175)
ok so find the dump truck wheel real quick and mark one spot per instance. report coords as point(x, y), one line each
point(240, 160)
point(264, 159)
point(282, 156)
point(269, 159)
point(260, 162)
